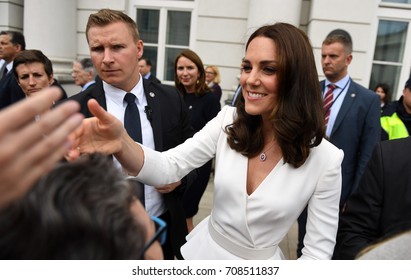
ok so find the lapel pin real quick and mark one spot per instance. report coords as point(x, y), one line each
point(352, 95)
point(152, 94)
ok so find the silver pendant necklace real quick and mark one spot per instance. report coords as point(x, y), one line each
point(263, 155)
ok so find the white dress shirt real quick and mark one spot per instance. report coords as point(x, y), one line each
point(116, 105)
point(339, 95)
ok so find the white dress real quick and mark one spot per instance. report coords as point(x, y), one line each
point(243, 226)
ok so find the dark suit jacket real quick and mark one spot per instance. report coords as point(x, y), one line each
point(356, 130)
point(154, 79)
point(382, 205)
point(11, 92)
point(171, 127)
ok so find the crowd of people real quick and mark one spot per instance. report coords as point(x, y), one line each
point(117, 170)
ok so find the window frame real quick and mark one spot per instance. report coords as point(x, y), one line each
point(164, 6)
point(397, 13)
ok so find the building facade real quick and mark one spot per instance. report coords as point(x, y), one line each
point(218, 29)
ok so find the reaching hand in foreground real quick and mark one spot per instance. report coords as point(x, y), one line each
point(105, 134)
point(32, 139)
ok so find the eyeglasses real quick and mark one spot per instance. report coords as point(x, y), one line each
point(160, 235)
point(211, 73)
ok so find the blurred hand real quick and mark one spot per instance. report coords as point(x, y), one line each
point(33, 138)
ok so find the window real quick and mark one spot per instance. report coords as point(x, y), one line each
point(165, 31)
point(398, 1)
point(148, 25)
point(178, 39)
point(389, 54)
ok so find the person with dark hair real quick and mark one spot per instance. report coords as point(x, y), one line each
point(203, 106)
point(25, 152)
point(381, 206)
point(10, 90)
point(383, 90)
point(396, 116)
point(11, 43)
point(33, 71)
point(144, 64)
point(352, 117)
point(83, 73)
point(154, 114)
point(271, 157)
point(80, 210)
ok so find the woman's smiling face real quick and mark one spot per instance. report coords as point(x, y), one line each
point(259, 77)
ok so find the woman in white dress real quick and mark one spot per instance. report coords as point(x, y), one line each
point(271, 158)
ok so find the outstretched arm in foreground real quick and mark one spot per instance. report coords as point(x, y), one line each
point(105, 134)
point(28, 148)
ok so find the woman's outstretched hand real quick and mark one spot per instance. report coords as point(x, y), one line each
point(101, 133)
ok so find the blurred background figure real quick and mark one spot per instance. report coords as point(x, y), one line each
point(83, 74)
point(383, 90)
point(33, 71)
point(396, 116)
point(11, 43)
point(213, 80)
point(203, 105)
point(144, 64)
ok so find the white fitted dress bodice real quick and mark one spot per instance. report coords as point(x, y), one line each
point(243, 226)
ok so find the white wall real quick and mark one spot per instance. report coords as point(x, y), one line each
point(51, 29)
point(11, 15)
point(357, 18)
point(220, 38)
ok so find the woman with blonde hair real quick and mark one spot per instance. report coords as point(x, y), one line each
point(213, 80)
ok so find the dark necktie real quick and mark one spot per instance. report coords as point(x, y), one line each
point(328, 101)
point(133, 126)
point(132, 118)
point(4, 73)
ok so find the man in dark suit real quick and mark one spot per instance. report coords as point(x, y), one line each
point(115, 48)
point(352, 116)
point(381, 206)
point(12, 43)
point(145, 70)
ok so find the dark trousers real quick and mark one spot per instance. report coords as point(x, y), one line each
point(302, 222)
point(167, 247)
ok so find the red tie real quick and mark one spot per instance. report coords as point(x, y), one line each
point(328, 101)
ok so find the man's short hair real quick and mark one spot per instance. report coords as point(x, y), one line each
point(30, 56)
point(105, 17)
point(88, 66)
point(147, 60)
point(340, 36)
point(17, 38)
point(86, 63)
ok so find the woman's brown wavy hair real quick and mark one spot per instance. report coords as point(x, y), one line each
point(297, 118)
